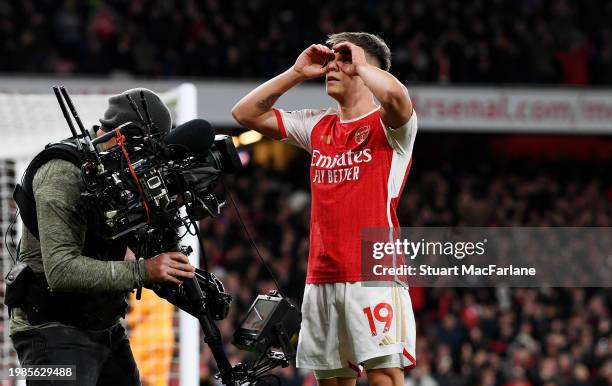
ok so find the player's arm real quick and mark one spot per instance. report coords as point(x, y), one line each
point(254, 111)
point(396, 107)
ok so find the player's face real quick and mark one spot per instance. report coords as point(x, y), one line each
point(337, 83)
point(335, 79)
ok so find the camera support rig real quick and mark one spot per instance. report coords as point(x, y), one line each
point(270, 322)
point(143, 200)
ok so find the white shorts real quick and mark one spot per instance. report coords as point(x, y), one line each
point(346, 325)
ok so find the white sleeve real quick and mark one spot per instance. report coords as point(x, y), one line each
point(402, 138)
point(296, 126)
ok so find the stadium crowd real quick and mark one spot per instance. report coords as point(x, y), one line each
point(466, 337)
point(503, 41)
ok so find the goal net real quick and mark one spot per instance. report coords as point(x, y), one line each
point(166, 347)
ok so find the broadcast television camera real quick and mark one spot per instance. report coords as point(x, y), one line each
point(139, 188)
point(138, 185)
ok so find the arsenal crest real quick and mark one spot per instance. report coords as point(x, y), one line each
point(362, 134)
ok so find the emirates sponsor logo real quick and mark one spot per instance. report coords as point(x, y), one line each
point(362, 134)
point(348, 158)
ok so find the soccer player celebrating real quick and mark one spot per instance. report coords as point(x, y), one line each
point(361, 155)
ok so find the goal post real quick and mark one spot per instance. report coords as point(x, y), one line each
point(30, 121)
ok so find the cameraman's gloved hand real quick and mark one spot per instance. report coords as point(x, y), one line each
point(176, 294)
point(172, 267)
point(217, 301)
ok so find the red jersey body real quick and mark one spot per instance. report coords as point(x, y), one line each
point(357, 173)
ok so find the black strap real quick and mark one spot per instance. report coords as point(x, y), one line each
point(27, 210)
point(24, 193)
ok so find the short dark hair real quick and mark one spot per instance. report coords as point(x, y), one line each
point(371, 44)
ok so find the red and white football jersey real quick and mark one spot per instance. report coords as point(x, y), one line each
point(357, 173)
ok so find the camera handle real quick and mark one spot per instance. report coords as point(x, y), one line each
point(212, 336)
point(198, 307)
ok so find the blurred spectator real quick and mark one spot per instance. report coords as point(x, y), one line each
point(505, 41)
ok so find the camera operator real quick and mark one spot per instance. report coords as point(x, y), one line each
point(77, 293)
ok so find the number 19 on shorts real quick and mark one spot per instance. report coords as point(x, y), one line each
point(383, 313)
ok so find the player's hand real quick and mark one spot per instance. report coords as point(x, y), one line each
point(351, 57)
point(171, 267)
point(312, 62)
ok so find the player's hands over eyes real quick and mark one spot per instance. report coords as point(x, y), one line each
point(350, 58)
point(170, 267)
point(312, 62)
